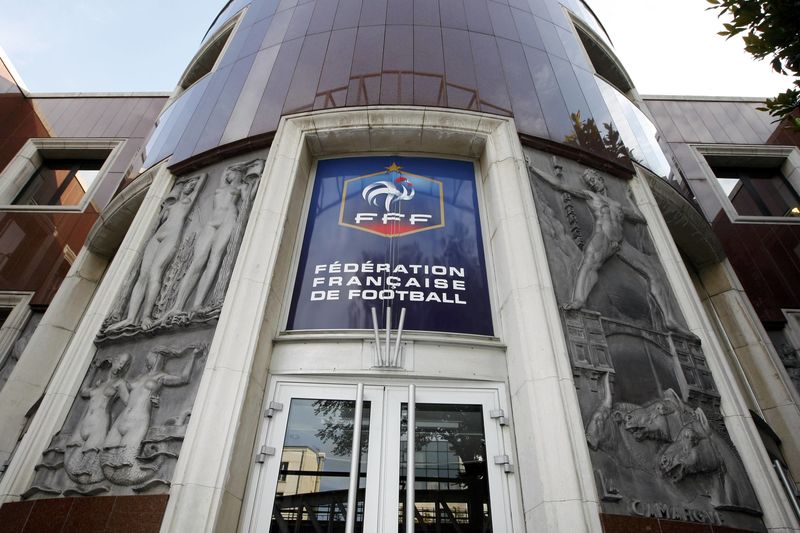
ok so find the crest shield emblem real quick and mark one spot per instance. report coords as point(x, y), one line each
point(392, 203)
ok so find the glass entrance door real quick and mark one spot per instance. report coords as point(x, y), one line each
point(311, 482)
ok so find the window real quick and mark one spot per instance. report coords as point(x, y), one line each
point(205, 59)
point(754, 184)
point(59, 182)
point(758, 191)
point(56, 174)
point(603, 59)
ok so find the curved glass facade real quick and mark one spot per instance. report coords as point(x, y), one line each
point(521, 58)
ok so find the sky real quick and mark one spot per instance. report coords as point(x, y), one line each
point(667, 46)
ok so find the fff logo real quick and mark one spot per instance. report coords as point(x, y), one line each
point(392, 203)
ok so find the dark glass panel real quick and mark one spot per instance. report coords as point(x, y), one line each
point(373, 13)
point(553, 107)
point(520, 4)
point(526, 107)
point(429, 82)
point(478, 16)
point(426, 12)
point(347, 14)
point(246, 105)
point(461, 84)
point(502, 22)
point(335, 77)
point(300, 20)
point(194, 129)
point(175, 124)
point(400, 12)
point(557, 14)
point(311, 493)
point(212, 132)
point(573, 96)
point(397, 79)
point(303, 88)
point(491, 82)
point(234, 42)
point(287, 4)
point(269, 110)
point(365, 75)
point(451, 481)
point(526, 27)
point(322, 18)
point(539, 8)
point(256, 37)
point(277, 29)
point(453, 14)
point(260, 10)
point(549, 34)
point(575, 52)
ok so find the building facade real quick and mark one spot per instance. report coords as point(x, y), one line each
point(393, 266)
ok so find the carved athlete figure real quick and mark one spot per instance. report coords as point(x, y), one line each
point(608, 240)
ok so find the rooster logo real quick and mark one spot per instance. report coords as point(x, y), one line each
point(373, 202)
point(400, 190)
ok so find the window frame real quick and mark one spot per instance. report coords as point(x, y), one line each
point(22, 168)
point(11, 329)
point(786, 157)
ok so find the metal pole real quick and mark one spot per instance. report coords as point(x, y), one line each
point(355, 461)
point(412, 423)
point(386, 353)
point(377, 337)
point(395, 361)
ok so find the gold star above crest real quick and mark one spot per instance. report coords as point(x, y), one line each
point(394, 167)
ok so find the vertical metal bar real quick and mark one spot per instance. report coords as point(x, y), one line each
point(386, 352)
point(395, 361)
point(355, 461)
point(377, 337)
point(410, 462)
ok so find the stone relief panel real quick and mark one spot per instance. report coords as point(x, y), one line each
point(651, 411)
point(185, 267)
point(124, 431)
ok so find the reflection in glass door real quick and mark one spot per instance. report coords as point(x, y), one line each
point(306, 484)
point(313, 479)
point(451, 482)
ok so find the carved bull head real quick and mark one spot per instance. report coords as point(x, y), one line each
point(692, 452)
point(656, 420)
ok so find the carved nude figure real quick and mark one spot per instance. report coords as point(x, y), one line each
point(93, 426)
point(212, 241)
point(130, 427)
point(159, 252)
point(608, 240)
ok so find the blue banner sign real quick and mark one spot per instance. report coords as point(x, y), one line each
point(400, 232)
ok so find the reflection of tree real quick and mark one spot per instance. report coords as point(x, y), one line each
point(337, 425)
point(587, 135)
